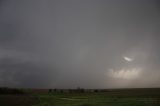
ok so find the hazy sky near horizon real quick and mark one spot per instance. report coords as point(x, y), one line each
point(79, 43)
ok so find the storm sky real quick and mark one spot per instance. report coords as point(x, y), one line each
point(79, 43)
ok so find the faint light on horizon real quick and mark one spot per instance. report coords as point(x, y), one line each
point(132, 73)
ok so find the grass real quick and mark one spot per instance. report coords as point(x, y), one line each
point(124, 97)
point(95, 100)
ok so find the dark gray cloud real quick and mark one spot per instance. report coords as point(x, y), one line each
point(70, 43)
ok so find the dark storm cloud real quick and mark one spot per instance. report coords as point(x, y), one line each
point(25, 74)
point(70, 43)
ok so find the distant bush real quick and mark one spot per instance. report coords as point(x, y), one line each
point(96, 90)
point(11, 91)
point(61, 91)
point(86, 104)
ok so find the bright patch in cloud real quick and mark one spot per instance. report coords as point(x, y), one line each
point(128, 59)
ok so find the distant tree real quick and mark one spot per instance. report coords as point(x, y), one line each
point(55, 90)
point(50, 90)
point(81, 90)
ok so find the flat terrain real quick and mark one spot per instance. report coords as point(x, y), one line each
point(111, 97)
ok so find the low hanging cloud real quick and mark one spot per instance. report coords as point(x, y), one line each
point(79, 43)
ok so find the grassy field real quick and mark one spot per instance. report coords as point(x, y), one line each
point(112, 97)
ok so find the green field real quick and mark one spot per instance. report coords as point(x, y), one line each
point(115, 97)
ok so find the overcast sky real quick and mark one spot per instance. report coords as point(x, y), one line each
point(79, 43)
